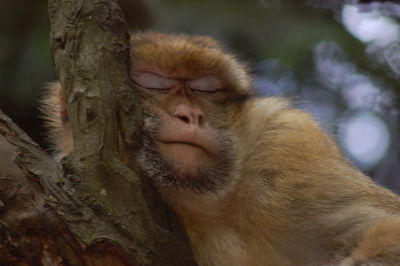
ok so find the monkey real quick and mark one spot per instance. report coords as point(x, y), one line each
point(254, 181)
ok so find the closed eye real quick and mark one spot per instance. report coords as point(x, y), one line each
point(208, 92)
point(148, 80)
point(207, 84)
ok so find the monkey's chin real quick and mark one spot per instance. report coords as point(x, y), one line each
point(184, 157)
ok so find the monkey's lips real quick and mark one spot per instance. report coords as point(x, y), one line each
point(187, 154)
point(196, 139)
point(178, 142)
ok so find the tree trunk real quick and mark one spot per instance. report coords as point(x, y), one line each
point(92, 208)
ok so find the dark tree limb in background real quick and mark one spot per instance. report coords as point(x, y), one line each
point(92, 209)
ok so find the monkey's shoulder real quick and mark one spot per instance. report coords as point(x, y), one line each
point(277, 134)
point(277, 116)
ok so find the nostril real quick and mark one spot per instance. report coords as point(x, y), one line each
point(200, 119)
point(184, 118)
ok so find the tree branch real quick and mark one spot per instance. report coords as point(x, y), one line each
point(92, 209)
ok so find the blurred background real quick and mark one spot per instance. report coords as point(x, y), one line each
point(339, 60)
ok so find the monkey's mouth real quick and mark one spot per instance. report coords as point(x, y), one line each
point(192, 144)
point(184, 156)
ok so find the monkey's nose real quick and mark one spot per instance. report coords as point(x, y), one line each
point(190, 115)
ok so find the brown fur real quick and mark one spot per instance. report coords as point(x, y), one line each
point(292, 198)
point(55, 114)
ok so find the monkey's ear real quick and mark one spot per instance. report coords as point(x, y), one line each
point(55, 114)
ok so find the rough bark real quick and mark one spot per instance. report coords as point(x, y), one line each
point(92, 208)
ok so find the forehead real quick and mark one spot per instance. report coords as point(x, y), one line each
point(183, 56)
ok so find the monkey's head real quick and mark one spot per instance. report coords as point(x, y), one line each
point(190, 90)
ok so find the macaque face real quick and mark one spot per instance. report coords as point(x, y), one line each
point(185, 141)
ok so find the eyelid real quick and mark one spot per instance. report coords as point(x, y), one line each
point(208, 84)
point(149, 80)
